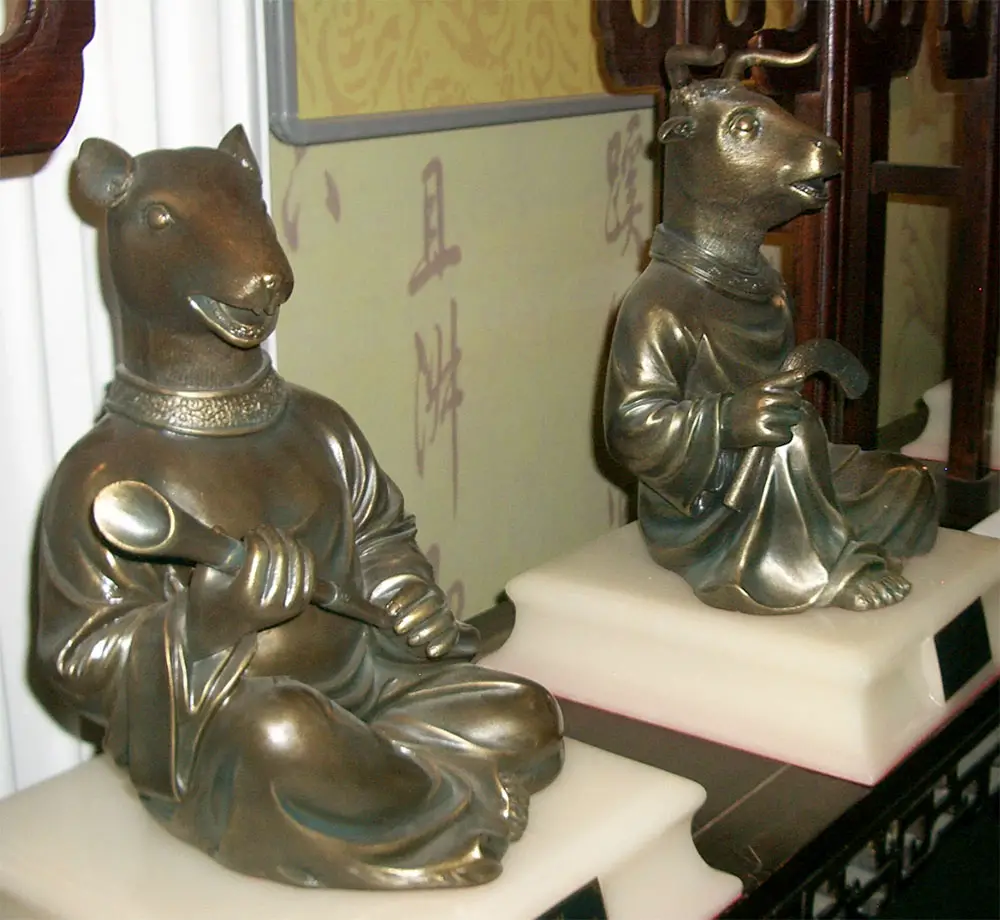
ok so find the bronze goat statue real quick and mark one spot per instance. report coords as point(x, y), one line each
point(740, 490)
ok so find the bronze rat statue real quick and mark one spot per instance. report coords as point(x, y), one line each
point(739, 489)
point(258, 713)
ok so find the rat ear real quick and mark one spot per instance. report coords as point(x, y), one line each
point(677, 128)
point(104, 172)
point(235, 143)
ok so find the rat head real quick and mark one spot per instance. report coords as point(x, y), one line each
point(191, 246)
point(730, 149)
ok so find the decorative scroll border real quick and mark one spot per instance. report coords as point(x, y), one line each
point(287, 125)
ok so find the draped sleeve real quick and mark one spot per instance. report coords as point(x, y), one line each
point(112, 641)
point(668, 439)
point(385, 534)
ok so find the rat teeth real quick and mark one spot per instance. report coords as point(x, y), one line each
point(223, 319)
point(814, 188)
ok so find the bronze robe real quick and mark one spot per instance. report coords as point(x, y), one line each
point(690, 332)
point(321, 751)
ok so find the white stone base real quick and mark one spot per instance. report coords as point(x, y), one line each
point(936, 436)
point(990, 526)
point(848, 694)
point(81, 847)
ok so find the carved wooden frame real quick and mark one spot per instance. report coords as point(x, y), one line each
point(41, 74)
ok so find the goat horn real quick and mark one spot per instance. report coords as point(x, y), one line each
point(679, 57)
point(741, 61)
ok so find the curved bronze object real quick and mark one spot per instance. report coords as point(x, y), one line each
point(285, 742)
point(812, 357)
point(740, 490)
point(679, 58)
point(134, 518)
point(740, 62)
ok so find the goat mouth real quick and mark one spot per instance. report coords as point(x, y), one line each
point(814, 190)
point(239, 326)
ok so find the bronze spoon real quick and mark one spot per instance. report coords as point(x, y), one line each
point(135, 518)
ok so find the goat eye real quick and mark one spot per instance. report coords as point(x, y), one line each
point(745, 126)
point(158, 217)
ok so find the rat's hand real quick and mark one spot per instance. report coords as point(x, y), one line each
point(763, 414)
point(422, 617)
point(274, 584)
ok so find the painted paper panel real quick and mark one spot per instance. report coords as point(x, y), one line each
point(453, 292)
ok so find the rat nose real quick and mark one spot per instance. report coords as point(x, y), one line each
point(831, 158)
point(828, 146)
point(273, 288)
point(277, 284)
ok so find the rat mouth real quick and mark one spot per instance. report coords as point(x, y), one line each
point(243, 327)
point(813, 190)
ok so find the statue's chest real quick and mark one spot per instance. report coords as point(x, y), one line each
point(281, 476)
point(737, 342)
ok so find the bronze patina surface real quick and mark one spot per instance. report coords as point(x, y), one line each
point(740, 490)
point(230, 585)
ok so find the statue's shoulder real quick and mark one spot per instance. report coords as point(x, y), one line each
point(662, 294)
point(311, 407)
point(98, 458)
point(321, 415)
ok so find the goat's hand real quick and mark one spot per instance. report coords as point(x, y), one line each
point(763, 414)
point(421, 616)
point(274, 584)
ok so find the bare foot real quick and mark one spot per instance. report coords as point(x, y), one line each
point(871, 588)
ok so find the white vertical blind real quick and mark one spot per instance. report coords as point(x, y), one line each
point(165, 73)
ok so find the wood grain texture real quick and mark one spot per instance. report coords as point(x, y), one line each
point(41, 74)
point(973, 279)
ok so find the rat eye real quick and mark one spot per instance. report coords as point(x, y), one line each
point(744, 125)
point(158, 217)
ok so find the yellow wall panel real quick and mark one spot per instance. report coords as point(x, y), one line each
point(363, 57)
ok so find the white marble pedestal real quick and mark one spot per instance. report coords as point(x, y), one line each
point(848, 694)
point(81, 847)
point(934, 439)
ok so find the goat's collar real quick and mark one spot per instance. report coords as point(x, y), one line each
point(246, 408)
point(761, 283)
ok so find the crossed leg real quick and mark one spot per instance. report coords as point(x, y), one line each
point(289, 786)
point(427, 792)
point(889, 501)
point(480, 716)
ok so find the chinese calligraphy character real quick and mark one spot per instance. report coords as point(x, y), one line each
point(437, 395)
point(291, 206)
point(622, 208)
point(437, 255)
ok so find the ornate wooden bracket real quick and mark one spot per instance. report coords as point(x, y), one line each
point(41, 74)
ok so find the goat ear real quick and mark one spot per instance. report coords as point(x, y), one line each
point(104, 172)
point(235, 143)
point(677, 128)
